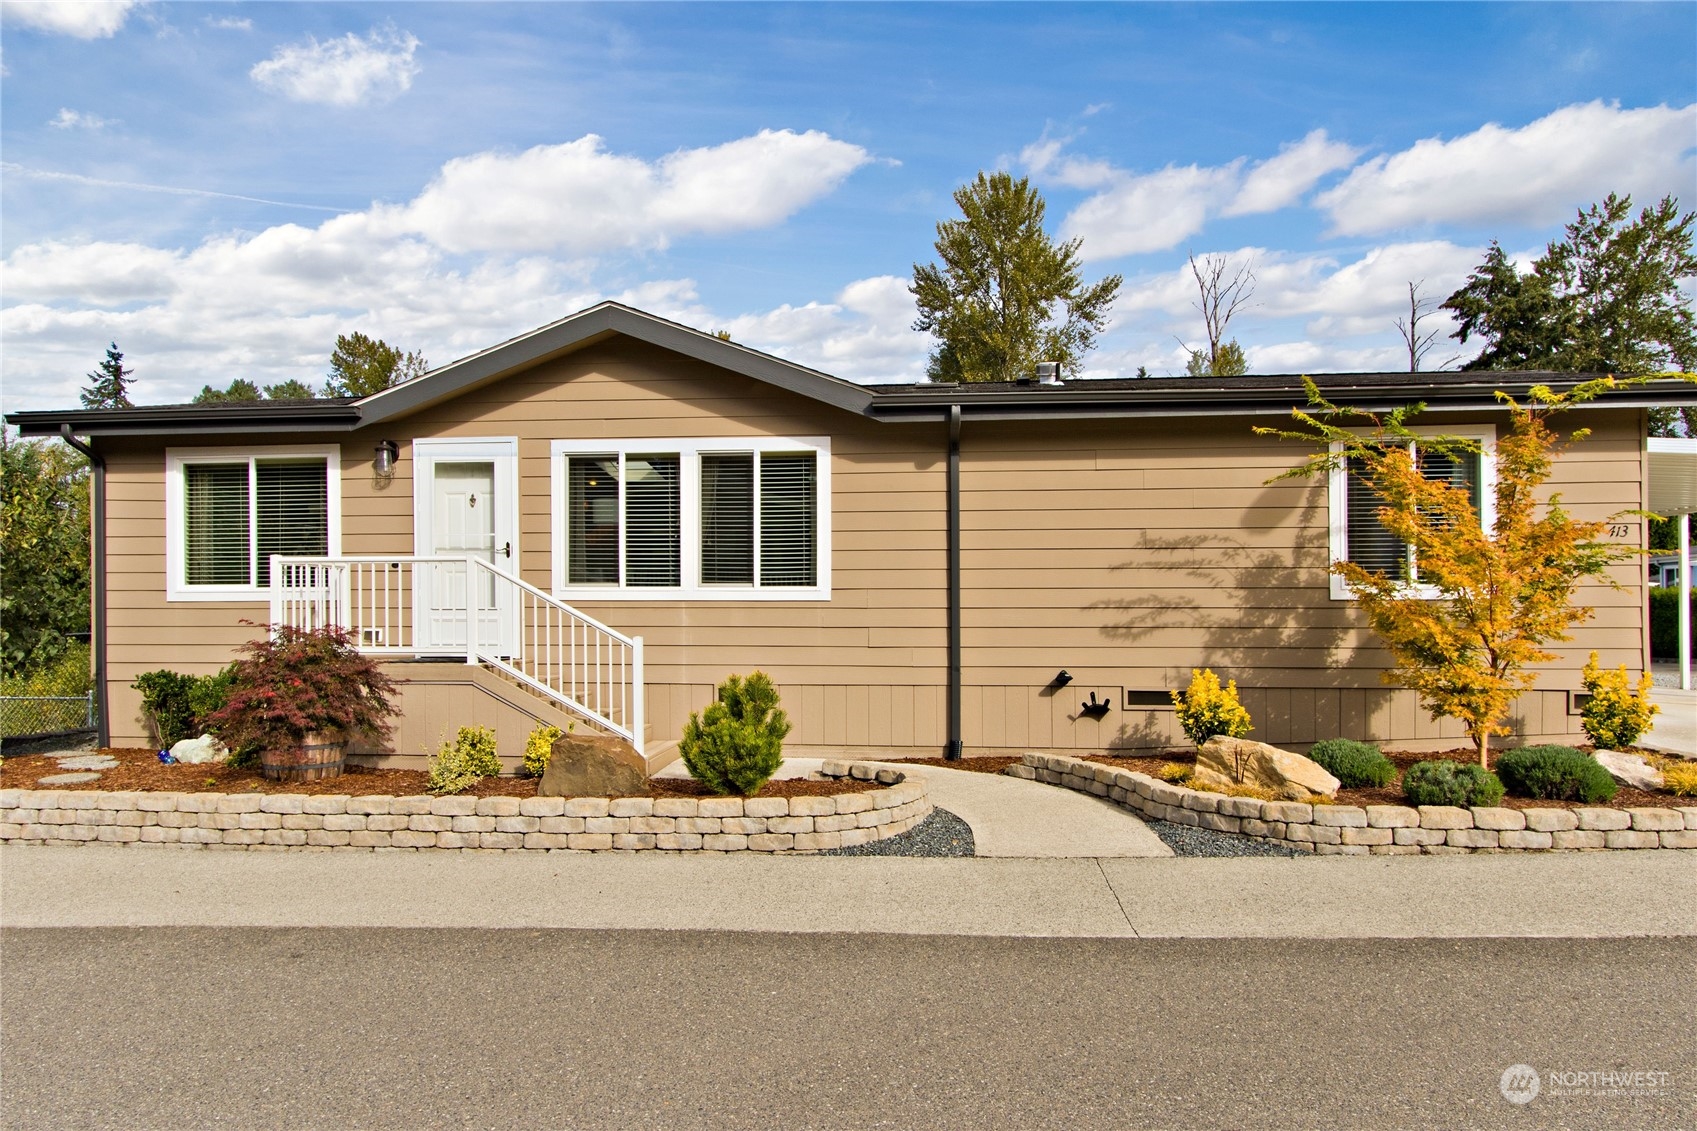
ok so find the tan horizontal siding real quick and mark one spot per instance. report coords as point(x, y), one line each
point(1127, 552)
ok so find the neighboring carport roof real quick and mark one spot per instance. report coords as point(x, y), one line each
point(1673, 475)
point(1261, 395)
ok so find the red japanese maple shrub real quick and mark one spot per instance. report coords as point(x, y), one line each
point(297, 682)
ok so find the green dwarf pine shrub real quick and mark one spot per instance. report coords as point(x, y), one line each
point(462, 762)
point(1451, 783)
point(1555, 773)
point(1356, 765)
point(1206, 709)
point(538, 748)
point(182, 706)
point(737, 744)
point(1615, 715)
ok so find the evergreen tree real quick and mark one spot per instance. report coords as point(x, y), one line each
point(361, 366)
point(109, 384)
point(1605, 299)
point(241, 389)
point(293, 389)
point(1005, 296)
point(1228, 362)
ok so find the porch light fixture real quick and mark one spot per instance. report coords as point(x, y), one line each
point(387, 453)
point(1062, 678)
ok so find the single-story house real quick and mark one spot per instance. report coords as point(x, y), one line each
point(603, 518)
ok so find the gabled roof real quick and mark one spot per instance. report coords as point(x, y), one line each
point(1124, 397)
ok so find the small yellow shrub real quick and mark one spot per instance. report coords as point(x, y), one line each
point(1206, 709)
point(1615, 716)
point(1681, 779)
point(460, 763)
point(1175, 772)
point(538, 748)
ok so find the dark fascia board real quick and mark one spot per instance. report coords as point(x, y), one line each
point(1274, 395)
point(339, 415)
point(598, 323)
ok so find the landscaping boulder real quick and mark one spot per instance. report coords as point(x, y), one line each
point(206, 748)
point(1226, 761)
point(1630, 770)
point(591, 765)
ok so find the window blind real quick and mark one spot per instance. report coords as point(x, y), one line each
point(787, 519)
point(1370, 544)
point(291, 512)
point(216, 547)
point(727, 519)
point(592, 520)
point(653, 524)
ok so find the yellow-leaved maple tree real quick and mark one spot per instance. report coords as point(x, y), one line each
point(1471, 610)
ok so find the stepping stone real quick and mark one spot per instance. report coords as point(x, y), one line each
point(67, 779)
point(87, 762)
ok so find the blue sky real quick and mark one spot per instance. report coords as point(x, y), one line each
point(445, 176)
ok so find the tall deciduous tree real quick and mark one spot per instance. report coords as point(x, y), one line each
point(1005, 295)
point(1488, 601)
point(361, 366)
point(1222, 289)
point(1419, 342)
point(43, 551)
point(109, 385)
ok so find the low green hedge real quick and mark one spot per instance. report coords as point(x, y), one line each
point(1664, 622)
point(1555, 773)
point(1356, 765)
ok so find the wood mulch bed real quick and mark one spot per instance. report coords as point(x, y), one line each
point(141, 770)
point(1624, 798)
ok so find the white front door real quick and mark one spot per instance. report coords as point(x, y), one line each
point(467, 508)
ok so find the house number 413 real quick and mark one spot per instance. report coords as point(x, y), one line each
point(1619, 530)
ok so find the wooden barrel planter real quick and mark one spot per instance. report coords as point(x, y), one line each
point(318, 756)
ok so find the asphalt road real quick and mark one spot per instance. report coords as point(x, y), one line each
point(192, 1027)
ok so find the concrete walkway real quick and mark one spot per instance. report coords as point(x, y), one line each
point(1674, 730)
point(1598, 895)
point(1014, 818)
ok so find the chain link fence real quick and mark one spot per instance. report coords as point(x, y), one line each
point(28, 716)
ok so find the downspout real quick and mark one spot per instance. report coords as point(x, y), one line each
point(97, 583)
point(952, 752)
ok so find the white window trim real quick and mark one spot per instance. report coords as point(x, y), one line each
point(177, 587)
point(1338, 486)
point(690, 452)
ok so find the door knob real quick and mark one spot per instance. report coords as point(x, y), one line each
point(507, 549)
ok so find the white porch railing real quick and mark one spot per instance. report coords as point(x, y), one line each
point(460, 606)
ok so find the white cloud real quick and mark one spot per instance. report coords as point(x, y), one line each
point(267, 305)
point(1537, 174)
point(230, 23)
point(67, 119)
point(81, 19)
point(1132, 213)
point(1281, 181)
point(347, 71)
point(866, 334)
point(1309, 312)
point(579, 198)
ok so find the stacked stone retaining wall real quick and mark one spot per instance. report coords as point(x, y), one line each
point(1382, 830)
point(579, 824)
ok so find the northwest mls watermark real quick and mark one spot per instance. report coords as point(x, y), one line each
point(1521, 1083)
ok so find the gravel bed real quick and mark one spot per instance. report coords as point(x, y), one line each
point(1188, 840)
point(940, 834)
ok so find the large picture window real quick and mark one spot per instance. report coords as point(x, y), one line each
point(696, 519)
point(1358, 536)
point(228, 511)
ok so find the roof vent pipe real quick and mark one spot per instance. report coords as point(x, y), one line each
point(1048, 373)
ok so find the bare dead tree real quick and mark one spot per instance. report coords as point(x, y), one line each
point(1223, 290)
point(1418, 344)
